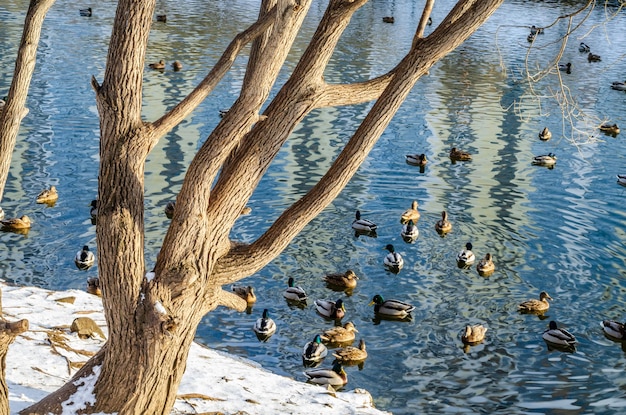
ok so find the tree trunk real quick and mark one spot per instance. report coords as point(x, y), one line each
point(8, 333)
point(153, 322)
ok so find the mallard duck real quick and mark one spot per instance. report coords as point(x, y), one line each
point(393, 260)
point(177, 66)
point(593, 57)
point(331, 309)
point(466, 256)
point(474, 334)
point(169, 209)
point(161, 18)
point(94, 209)
point(565, 67)
point(264, 326)
point(85, 12)
point(558, 337)
point(351, 353)
point(545, 160)
point(486, 266)
point(531, 37)
point(93, 286)
point(536, 30)
point(416, 159)
point(409, 232)
point(339, 334)
point(15, 224)
point(391, 308)
point(294, 293)
point(456, 154)
point(314, 351)
point(618, 86)
point(346, 280)
point(614, 329)
point(621, 179)
point(545, 134)
point(583, 48)
point(443, 225)
point(158, 65)
point(246, 293)
point(48, 195)
point(612, 129)
point(389, 19)
point(534, 305)
point(363, 225)
point(84, 258)
point(410, 214)
point(335, 377)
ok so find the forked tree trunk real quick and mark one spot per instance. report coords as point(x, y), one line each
point(153, 322)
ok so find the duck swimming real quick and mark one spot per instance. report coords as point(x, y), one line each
point(246, 293)
point(391, 308)
point(264, 326)
point(443, 225)
point(534, 305)
point(583, 48)
point(545, 134)
point(363, 225)
point(294, 293)
point(621, 179)
point(346, 280)
point(84, 259)
point(618, 86)
point(15, 224)
point(331, 309)
point(473, 334)
point(558, 337)
point(48, 196)
point(335, 377)
point(485, 266)
point(351, 354)
point(340, 334)
point(456, 154)
point(593, 57)
point(565, 67)
point(314, 351)
point(611, 129)
point(393, 260)
point(545, 160)
point(466, 256)
point(614, 329)
point(416, 159)
point(410, 214)
point(158, 65)
point(410, 232)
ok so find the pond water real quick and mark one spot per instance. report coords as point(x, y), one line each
point(561, 230)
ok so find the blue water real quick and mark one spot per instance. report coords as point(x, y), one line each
point(561, 230)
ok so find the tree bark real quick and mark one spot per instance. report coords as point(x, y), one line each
point(8, 333)
point(152, 322)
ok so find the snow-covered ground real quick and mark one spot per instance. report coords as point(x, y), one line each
point(44, 358)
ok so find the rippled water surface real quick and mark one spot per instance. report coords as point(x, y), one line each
point(561, 230)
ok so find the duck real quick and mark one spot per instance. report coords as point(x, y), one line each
point(486, 266)
point(347, 279)
point(545, 160)
point(473, 334)
point(621, 179)
point(264, 326)
point(545, 134)
point(340, 334)
point(161, 18)
point(466, 256)
point(84, 259)
point(593, 57)
point(331, 309)
point(409, 232)
point(48, 196)
point(612, 129)
point(351, 353)
point(157, 65)
point(618, 86)
point(15, 224)
point(169, 209)
point(416, 159)
point(94, 209)
point(443, 225)
point(456, 154)
point(314, 351)
point(584, 48)
point(363, 225)
point(534, 305)
point(223, 112)
point(558, 337)
point(335, 377)
point(389, 19)
point(177, 65)
point(294, 293)
point(93, 286)
point(393, 260)
point(614, 329)
point(246, 293)
point(565, 67)
point(85, 12)
point(531, 37)
point(410, 214)
point(536, 30)
point(391, 308)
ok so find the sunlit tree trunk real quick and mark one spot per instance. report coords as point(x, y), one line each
point(8, 332)
point(153, 322)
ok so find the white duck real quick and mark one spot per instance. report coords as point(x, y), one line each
point(264, 326)
point(331, 309)
point(559, 337)
point(84, 258)
point(545, 160)
point(335, 377)
point(294, 293)
point(614, 329)
point(466, 256)
point(393, 260)
point(409, 232)
point(363, 225)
